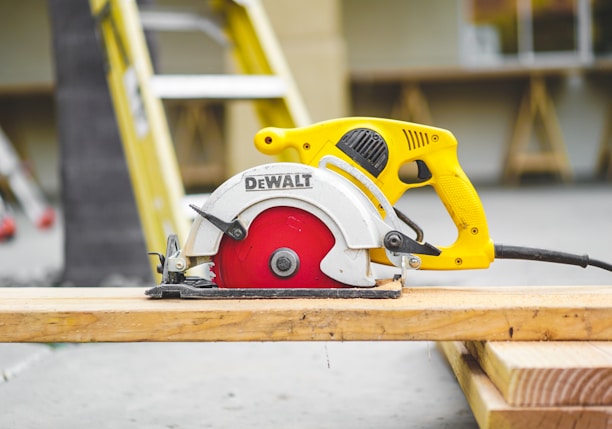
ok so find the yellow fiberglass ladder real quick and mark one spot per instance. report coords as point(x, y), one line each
point(137, 95)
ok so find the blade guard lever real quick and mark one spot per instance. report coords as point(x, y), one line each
point(397, 242)
point(233, 229)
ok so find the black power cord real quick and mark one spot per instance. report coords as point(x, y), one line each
point(543, 255)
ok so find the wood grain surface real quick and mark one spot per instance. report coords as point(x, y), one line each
point(548, 373)
point(492, 412)
point(433, 313)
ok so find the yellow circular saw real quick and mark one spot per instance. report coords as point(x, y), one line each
point(325, 226)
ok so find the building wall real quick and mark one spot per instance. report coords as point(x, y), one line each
point(25, 46)
point(400, 33)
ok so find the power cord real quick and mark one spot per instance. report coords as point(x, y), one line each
point(543, 255)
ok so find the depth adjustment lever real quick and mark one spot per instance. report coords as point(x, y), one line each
point(234, 229)
point(397, 242)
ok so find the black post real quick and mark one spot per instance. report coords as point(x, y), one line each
point(104, 244)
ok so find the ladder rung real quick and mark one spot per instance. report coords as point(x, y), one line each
point(245, 87)
point(172, 20)
point(168, 20)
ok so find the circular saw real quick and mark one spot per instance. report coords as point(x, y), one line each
point(324, 226)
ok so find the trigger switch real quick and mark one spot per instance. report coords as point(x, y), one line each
point(423, 173)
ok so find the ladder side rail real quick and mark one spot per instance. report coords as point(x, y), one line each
point(142, 124)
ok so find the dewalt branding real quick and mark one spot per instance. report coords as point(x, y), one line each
point(269, 182)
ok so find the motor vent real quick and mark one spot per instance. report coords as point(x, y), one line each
point(417, 139)
point(367, 148)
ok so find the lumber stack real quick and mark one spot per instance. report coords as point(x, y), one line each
point(535, 384)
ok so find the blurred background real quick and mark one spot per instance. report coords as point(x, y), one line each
point(471, 66)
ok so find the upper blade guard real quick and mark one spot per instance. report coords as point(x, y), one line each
point(351, 217)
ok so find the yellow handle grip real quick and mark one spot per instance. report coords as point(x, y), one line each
point(473, 247)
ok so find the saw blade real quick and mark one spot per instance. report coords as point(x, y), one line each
point(283, 249)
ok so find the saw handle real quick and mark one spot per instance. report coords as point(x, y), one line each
point(473, 247)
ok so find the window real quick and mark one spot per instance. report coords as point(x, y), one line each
point(554, 24)
point(559, 32)
point(602, 27)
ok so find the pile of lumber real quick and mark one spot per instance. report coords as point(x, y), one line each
point(535, 384)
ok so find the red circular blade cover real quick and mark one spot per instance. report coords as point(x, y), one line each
point(246, 263)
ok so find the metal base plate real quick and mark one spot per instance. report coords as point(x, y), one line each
point(384, 290)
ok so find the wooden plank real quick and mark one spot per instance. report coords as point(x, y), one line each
point(27, 88)
point(548, 373)
point(491, 411)
point(462, 73)
point(440, 313)
point(538, 162)
point(453, 73)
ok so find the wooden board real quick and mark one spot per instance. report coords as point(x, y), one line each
point(461, 74)
point(548, 373)
point(491, 411)
point(440, 313)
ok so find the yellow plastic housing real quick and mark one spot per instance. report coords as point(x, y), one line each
point(407, 142)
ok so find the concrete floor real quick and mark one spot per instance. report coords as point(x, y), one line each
point(296, 385)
